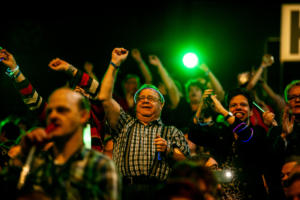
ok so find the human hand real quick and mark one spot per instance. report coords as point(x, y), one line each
point(14, 151)
point(204, 67)
point(8, 59)
point(160, 144)
point(59, 65)
point(154, 60)
point(206, 94)
point(287, 121)
point(119, 55)
point(267, 60)
point(36, 137)
point(82, 92)
point(136, 54)
point(269, 118)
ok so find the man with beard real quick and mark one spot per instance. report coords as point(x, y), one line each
point(239, 147)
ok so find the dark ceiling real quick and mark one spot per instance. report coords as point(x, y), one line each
point(231, 38)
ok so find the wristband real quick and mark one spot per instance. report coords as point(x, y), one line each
point(10, 72)
point(227, 116)
point(114, 65)
point(17, 75)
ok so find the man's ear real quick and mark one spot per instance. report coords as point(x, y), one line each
point(162, 105)
point(85, 116)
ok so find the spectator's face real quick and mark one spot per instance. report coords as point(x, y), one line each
point(293, 192)
point(131, 85)
point(195, 94)
point(286, 170)
point(64, 113)
point(239, 106)
point(148, 104)
point(294, 99)
point(88, 67)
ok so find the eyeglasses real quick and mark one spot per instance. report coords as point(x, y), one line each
point(293, 97)
point(150, 98)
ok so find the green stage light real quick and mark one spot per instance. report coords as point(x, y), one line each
point(190, 60)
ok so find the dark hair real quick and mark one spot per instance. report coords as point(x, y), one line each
point(238, 91)
point(288, 87)
point(193, 82)
point(292, 158)
point(107, 139)
point(129, 76)
point(201, 158)
point(194, 172)
point(180, 188)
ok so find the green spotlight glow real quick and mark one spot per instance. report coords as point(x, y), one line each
point(190, 60)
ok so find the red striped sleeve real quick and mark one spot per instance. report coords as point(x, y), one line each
point(27, 90)
point(84, 79)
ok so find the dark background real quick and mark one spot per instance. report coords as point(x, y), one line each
point(230, 37)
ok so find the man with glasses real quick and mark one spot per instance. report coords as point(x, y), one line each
point(287, 136)
point(144, 148)
point(285, 139)
point(291, 118)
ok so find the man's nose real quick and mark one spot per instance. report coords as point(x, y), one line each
point(238, 107)
point(52, 115)
point(146, 99)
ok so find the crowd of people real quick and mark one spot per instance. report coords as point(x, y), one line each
point(153, 140)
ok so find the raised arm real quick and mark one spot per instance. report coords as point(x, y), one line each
point(278, 100)
point(267, 61)
point(215, 84)
point(29, 95)
point(79, 78)
point(136, 55)
point(172, 90)
point(111, 107)
point(13, 69)
point(218, 107)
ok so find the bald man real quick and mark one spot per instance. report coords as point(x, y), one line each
point(61, 167)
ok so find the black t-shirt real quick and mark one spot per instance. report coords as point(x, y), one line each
point(247, 156)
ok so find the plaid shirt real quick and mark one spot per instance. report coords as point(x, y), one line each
point(86, 175)
point(134, 150)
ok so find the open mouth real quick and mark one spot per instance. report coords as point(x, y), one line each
point(146, 107)
point(51, 127)
point(239, 114)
